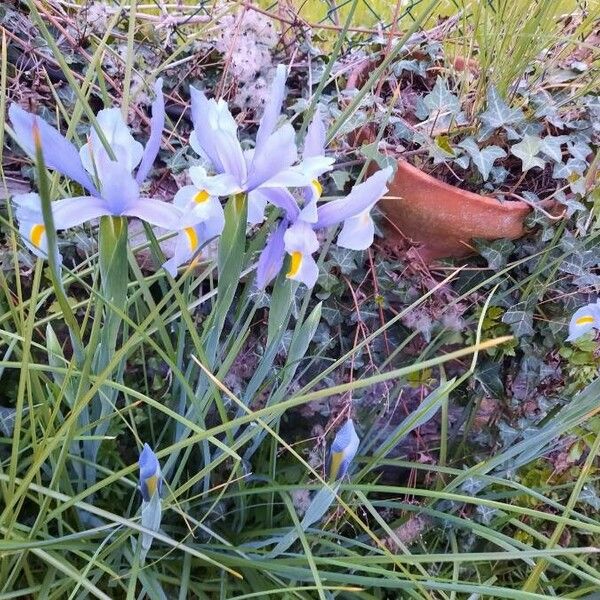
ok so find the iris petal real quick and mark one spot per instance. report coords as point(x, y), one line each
point(309, 211)
point(31, 224)
point(584, 320)
point(150, 475)
point(272, 110)
point(215, 133)
point(148, 462)
point(119, 188)
point(33, 234)
point(360, 198)
point(127, 151)
point(279, 197)
point(192, 211)
point(59, 154)
point(343, 450)
point(277, 153)
point(153, 211)
point(222, 184)
point(75, 211)
point(357, 232)
point(301, 239)
point(314, 142)
point(300, 236)
point(157, 124)
point(191, 238)
point(271, 258)
point(230, 155)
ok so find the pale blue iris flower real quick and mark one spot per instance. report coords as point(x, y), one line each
point(297, 237)
point(343, 450)
point(150, 488)
point(584, 319)
point(29, 216)
point(150, 475)
point(265, 172)
point(114, 189)
point(314, 150)
point(202, 219)
point(354, 211)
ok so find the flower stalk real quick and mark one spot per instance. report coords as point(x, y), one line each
point(53, 255)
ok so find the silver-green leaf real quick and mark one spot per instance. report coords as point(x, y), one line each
point(551, 146)
point(483, 159)
point(441, 100)
point(498, 113)
point(527, 150)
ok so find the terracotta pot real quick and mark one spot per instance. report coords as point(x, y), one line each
point(443, 219)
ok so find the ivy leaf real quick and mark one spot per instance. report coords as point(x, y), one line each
point(532, 128)
point(579, 263)
point(527, 150)
point(499, 175)
point(344, 259)
point(496, 253)
point(365, 315)
point(463, 161)
point(498, 113)
point(546, 108)
point(588, 494)
point(403, 131)
point(571, 204)
point(550, 146)
point(441, 99)
point(577, 184)
point(483, 159)
point(332, 316)
point(511, 134)
point(371, 152)
point(565, 170)
point(444, 143)
point(489, 376)
point(520, 319)
point(421, 111)
point(580, 150)
point(418, 67)
point(441, 150)
point(340, 178)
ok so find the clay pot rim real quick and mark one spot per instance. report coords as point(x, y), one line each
point(453, 189)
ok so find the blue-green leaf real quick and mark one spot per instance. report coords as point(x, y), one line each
point(483, 159)
point(527, 150)
point(441, 100)
point(520, 319)
point(498, 113)
point(550, 146)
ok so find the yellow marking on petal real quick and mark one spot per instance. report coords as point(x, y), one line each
point(585, 320)
point(192, 237)
point(201, 197)
point(151, 485)
point(334, 465)
point(317, 187)
point(36, 234)
point(295, 264)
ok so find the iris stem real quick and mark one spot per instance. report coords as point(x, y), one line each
point(61, 297)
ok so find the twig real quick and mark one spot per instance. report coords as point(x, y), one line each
point(538, 207)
